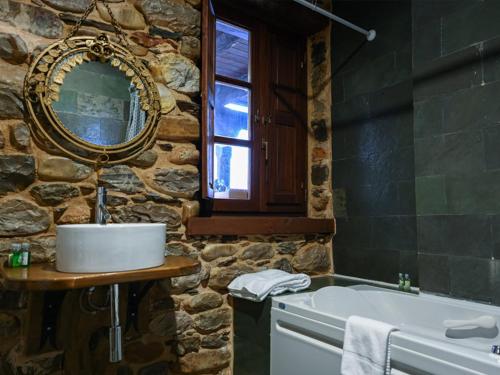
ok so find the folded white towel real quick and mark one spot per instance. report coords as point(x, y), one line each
point(257, 286)
point(366, 347)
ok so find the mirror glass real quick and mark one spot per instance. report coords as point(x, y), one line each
point(99, 104)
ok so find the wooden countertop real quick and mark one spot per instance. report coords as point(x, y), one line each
point(46, 277)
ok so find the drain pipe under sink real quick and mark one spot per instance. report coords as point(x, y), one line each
point(115, 331)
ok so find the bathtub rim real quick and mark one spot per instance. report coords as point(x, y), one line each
point(406, 347)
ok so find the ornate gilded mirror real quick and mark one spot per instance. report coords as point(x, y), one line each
point(92, 99)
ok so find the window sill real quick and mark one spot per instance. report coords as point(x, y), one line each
point(253, 225)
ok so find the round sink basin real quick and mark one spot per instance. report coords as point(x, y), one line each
point(91, 248)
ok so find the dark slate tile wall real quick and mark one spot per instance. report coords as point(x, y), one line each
point(416, 145)
point(373, 147)
point(456, 68)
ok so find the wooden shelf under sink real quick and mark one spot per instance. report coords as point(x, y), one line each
point(46, 277)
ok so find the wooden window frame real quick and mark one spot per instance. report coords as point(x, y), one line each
point(252, 204)
point(260, 103)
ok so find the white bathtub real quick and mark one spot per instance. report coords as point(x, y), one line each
point(307, 332)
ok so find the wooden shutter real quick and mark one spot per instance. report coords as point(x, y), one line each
point(287, 128)
point(207, 98)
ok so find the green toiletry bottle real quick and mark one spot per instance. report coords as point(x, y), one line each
point(14, 256)
point(401, 284)
point(25, 258)
point(407, 283)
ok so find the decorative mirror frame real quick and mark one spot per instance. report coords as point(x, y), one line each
point(46, 76)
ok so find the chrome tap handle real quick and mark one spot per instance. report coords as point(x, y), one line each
point(105, 215)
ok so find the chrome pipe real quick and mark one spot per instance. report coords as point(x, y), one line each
point(101, 212)
point(370, 34)
point(115, 331)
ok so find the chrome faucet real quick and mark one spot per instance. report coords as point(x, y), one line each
point(102, 216)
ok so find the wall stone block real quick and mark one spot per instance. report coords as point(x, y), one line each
point(184, 154)
point(20, 136)
point(75, 214)
point(188, 342)
point(257, 252)
point(205, 360)
point(214, 251)
point(62, 169)
point(16, 172)
point(145, 160)
point(320, 199)
point(54, 194)
point(75, 6)
point(36, 20)
point(171, 14)
point(125, 14)
point(212, 320)
point(167, 99)
point(13, 49)
point(220, 277)
point(180, 249)
point(179, 73)
point(312, 259)
point(203, 302)
point(216, 340)
point(10, 103)
point(157, 198)
point(283, 264)
point(320, 130)
point(182, 284)
point(319, 174)
point(287, 248)
point(183, 127)
point(181, 183)
point(191, 47)
point(20, 218)
point(121, 178)
point(148, 213)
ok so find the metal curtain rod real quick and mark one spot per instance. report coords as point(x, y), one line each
point(370, 34)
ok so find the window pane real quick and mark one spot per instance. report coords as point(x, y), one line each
point(231, 111)
point(232, 51)
point(231, 172)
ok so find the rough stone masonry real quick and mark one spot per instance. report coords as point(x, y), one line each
point(185, 322)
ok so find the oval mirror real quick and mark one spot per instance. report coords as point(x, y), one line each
point(92, 99)
point(99, 104)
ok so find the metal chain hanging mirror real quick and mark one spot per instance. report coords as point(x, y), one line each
point(91, 98)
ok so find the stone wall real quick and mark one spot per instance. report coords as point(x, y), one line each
point(184, 324)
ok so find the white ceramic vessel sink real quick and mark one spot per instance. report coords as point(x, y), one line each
point(88, 248)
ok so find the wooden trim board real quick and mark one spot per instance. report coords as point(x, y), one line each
point(245, 225)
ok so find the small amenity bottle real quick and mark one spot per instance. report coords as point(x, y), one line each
point(401, 284)
point(407, 283)
point(14, 256)
point(25, 258)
